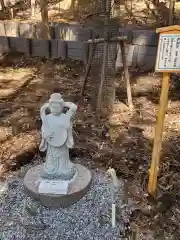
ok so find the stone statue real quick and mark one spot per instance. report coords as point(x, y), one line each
point(58, 182)
point(57, 138)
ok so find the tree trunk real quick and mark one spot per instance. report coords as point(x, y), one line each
point(2, 5)
point(171, 12)
point(44, 17)
point(33, 2)
point(75, 8)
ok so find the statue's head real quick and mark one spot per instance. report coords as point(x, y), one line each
point(56, 103)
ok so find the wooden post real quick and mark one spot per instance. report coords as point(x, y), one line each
point(134, 235)
point(153, 172)
point(99, 98)
point(126, 75)
point(92, 51)
point(166, 62)
point(125, 197)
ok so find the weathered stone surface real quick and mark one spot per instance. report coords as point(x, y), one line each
point(40, 48)
point(76, 53)
point(52, 29)
point(77, 50)
point(97, 32)
point(145, 37)
point(4, 45)
point(57, 138)
point(12, 28)
point(57, 182)
point(77, 34)
point(71, 32)
point(47, 186)
point(129, 50)
point(146, 57)
point(19, 45)
point(126, 32)
point(26, 30)
point(76, 189)
point(58, 49)
point(40, 31)
point(2, 29)
point(60, 30)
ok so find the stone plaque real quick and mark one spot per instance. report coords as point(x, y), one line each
point(53, 187)
point(168, 55)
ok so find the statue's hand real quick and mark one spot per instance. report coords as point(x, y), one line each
point(43, 110)
point(72, 109)
point(44, 107)
point(50, 136)
point(70, 105)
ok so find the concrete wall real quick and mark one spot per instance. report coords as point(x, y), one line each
point(68, 42)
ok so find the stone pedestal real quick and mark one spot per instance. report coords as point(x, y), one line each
point(76, 189)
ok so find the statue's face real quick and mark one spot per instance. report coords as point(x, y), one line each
point(56, 108)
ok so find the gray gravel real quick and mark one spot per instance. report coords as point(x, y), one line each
point(21, 218)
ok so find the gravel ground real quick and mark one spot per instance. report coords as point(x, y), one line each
point(21, 218)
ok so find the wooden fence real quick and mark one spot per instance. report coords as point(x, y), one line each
point(68, 42)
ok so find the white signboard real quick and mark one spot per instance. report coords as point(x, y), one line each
point(53, 187)
point(168, 55)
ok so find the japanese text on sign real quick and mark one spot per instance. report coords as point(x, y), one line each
point(168, 56)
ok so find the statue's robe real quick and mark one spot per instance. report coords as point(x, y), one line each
point(56, 140)
point(56, 131)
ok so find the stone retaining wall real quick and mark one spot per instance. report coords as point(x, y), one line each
point(68, 42)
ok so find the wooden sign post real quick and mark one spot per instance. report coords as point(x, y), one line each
point(167, 61)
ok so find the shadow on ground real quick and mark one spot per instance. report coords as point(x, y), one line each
point(19, 107)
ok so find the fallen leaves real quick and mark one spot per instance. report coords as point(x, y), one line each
point(124, 142)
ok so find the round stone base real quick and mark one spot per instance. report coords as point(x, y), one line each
point(76, 188)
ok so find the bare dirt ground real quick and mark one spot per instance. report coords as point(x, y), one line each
point(123, 142)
